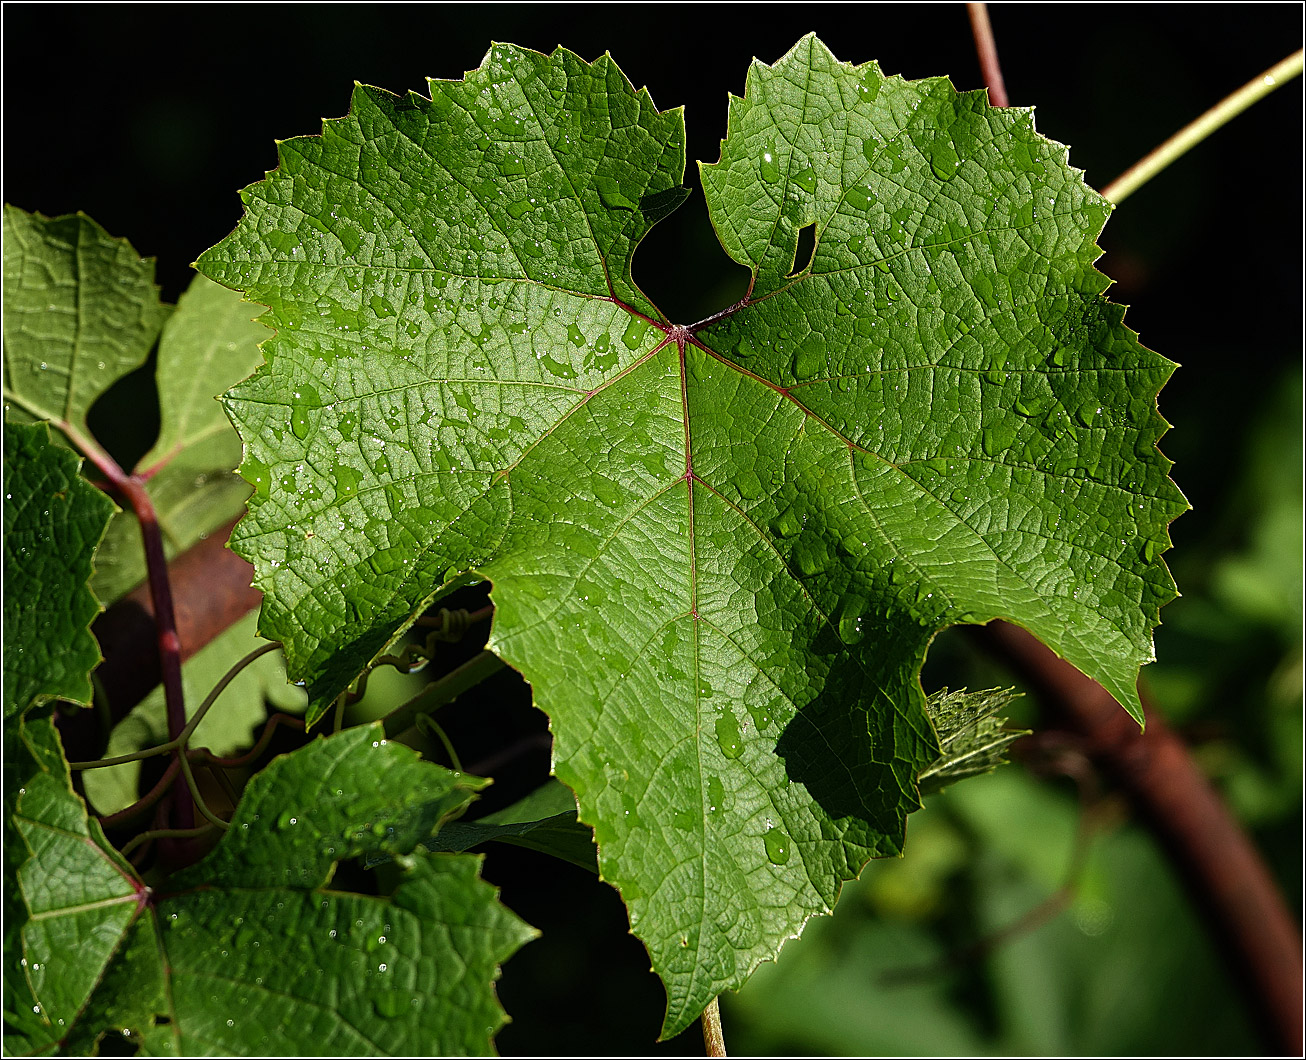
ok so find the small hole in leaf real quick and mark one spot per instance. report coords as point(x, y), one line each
point(806, 249)
point(163, 1021)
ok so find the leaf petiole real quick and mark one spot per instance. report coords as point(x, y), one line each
point(987, 52)
point(1195, 132)
point(714, 1041)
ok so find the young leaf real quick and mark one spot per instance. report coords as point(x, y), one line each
point(971, 736)
point(252, 952)
point(81, 311)
point(718, 552)
point(208, 344)
point(53, 520)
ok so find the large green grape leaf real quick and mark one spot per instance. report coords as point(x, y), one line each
point(81, 311)
point(208, 344)
point(718, 552)
point(53, 519)
point(252, 952)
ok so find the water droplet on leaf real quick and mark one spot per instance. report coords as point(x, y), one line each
point(728, 736)
point(777, 846)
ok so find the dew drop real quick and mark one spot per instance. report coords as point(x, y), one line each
point(809, 359)
point(728, 737)
point(389, 1004)
point(767, 166)
point(852, 622)
point(716, 795)
point(860, 198)
point(777, 846)
point(633, 336)
point(944, 161)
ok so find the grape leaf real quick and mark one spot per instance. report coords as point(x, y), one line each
point(718, 552)
point(226, 728)
point(68, 894)
point(545, 820)
point(53, 520)
point(81, 311)
point(252, 952)
point(208, 344)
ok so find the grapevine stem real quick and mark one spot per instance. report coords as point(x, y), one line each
point(114, 820)
point(156, 564)
point(189, 774)
point(714, 1042)
point(220, 777)
point(425, 721)
point(164, 833)
point(1194, 133)
point(218, 689)
point(1211, 854)
point(990, 68)
point(134, 756)
point(230, 763)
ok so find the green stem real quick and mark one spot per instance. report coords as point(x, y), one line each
point(218, 689)
point(427, 723)
point(438, 693)
point(135, 756)
point(195, 795)
point(1191, 135)
point(184, 736)
point(115, 820)
point(235, 761)
point(714, 1041)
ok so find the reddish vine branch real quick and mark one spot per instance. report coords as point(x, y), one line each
point(987, 51)
point(168, 646)
point(1215, 859)
point(210, 591)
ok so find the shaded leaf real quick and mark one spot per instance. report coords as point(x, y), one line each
point(545, 820)
point(208, 344)
point(720, 552)
point(68, 895)
point(53, 520)
point(252, 952)
point(81, 311)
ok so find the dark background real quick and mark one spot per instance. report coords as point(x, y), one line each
point(150, 118)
